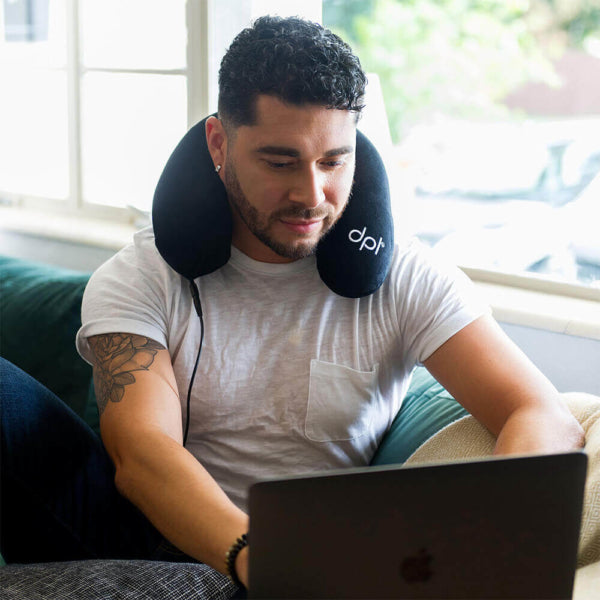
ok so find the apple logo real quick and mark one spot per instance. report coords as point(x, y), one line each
point(417, 568)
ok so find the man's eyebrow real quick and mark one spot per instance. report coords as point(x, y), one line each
point(294, 153)
point(340, 151)
point(278, 151)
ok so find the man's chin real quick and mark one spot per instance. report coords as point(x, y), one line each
point(294, 251)
point(292, 247)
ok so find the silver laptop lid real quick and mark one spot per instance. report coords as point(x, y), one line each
point(494, 528)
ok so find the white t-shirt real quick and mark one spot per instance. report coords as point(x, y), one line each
point(292, 378)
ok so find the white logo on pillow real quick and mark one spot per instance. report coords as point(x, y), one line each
point(366, 241)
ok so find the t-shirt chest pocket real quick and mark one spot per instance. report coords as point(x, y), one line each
point(340, 402)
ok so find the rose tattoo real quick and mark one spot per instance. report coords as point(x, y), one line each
point(117, 357)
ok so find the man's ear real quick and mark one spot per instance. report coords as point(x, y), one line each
point(216, 140)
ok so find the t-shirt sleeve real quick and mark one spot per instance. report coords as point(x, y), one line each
point(128, 294)
point(434, 299)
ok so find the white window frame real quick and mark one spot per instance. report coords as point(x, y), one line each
point(200, 82)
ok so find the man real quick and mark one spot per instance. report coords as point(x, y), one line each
point(292, 378)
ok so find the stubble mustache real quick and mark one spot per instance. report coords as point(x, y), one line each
point(302, 213)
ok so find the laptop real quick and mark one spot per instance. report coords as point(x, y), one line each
point(491, 528)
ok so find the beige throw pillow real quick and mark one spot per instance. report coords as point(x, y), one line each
point(466, 438)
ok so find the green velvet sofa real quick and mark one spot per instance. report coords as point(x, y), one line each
point(40, 316)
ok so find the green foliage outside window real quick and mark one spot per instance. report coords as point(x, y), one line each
point(459, 57)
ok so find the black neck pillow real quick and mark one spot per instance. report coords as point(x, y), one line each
point(193, 224)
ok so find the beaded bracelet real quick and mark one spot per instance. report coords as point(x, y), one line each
point(230, 557)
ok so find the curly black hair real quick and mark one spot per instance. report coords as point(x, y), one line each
point(297, 61)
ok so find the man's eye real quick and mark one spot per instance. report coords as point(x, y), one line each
point(278, 165)
point(332, 164)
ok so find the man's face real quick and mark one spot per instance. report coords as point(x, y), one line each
point(288, 178)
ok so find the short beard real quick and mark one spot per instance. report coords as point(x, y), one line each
point(252, 219)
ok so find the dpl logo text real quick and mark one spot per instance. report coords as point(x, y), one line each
point(358, 236)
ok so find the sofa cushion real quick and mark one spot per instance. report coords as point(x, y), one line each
point(426, 409)
point(114, 579)
point(467, 438)
point(41, 313)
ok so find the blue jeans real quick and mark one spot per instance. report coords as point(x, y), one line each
point(59, 500)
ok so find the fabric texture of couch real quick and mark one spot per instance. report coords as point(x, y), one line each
point(41, 312)
point(118, 579)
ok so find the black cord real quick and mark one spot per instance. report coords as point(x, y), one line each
point(198, 307)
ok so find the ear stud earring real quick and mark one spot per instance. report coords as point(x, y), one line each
point(217, 168)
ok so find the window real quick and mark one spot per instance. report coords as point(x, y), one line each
point(494, 114)
point(101, 92)
point(133, 96)
point(33, 106)
point(95, 103)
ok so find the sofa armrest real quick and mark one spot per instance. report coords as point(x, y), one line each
point(41, 313)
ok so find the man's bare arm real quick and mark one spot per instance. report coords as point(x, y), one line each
point(117, 357)
point(141, 429)
point(487, 373)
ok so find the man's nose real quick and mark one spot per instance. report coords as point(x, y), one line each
point(308, 188)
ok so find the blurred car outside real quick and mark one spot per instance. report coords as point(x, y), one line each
point(508, 196)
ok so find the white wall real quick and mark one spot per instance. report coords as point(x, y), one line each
point(53, 252)
point(572, 363)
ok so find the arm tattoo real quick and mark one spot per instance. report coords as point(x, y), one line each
point(116, 357)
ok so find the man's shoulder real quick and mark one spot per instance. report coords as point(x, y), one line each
point(411, 255)
point(138, 259)
point(416, 263)
point(143, 242)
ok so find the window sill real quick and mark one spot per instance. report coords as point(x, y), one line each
point(542, 310)
point(75, 229)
